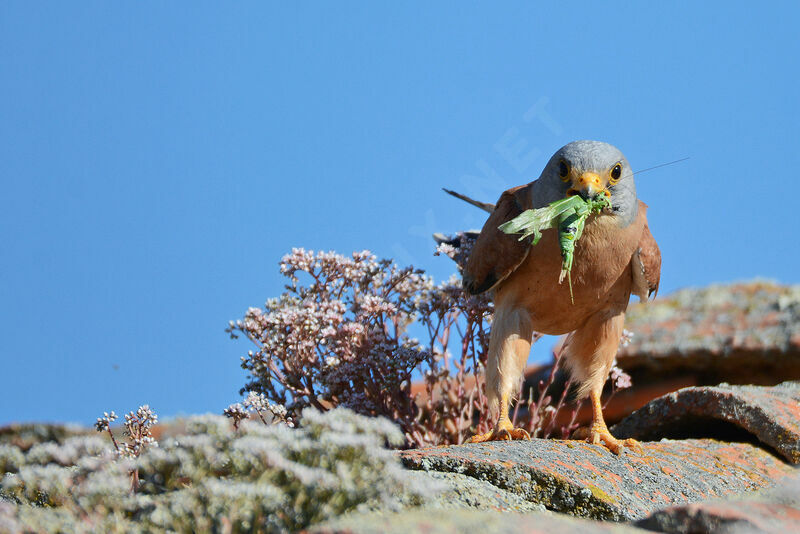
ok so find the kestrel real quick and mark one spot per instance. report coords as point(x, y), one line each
point(615, 257)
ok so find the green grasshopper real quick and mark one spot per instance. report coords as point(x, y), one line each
point(569, 215)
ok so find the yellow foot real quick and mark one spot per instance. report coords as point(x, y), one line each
point(500, 433)
point(601, 436)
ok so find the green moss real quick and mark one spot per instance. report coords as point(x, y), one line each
point(601, 495)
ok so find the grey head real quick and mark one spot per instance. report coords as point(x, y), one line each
point(588, 168)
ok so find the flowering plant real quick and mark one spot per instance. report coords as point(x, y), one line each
point(340, 336)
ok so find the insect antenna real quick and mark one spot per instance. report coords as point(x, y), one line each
point(658, 166)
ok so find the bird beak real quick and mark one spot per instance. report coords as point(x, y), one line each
point(587, 185)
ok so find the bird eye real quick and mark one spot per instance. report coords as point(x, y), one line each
point(616, 172)
point(563, 170)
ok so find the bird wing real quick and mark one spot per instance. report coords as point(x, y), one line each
point(646, 262)
point(496, 254)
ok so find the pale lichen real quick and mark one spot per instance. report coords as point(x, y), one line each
point(210, 478)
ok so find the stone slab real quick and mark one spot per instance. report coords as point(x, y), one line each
point(585, 480)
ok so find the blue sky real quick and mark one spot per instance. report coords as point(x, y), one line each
point(158, 159)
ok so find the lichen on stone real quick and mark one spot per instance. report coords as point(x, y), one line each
point(210, 478)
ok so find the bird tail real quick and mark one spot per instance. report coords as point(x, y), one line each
point(485, 206)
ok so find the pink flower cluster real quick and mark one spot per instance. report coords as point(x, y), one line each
point(340, 335)
point(138, 429)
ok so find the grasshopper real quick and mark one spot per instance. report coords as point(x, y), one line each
point(569, 216)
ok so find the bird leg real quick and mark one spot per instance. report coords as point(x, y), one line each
point(503, 430)
point(598, 432)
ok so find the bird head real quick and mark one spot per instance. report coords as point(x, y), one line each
point(591, 168)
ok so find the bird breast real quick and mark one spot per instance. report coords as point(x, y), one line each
point(601, 276)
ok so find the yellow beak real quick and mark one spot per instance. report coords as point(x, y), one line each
point(588, 185)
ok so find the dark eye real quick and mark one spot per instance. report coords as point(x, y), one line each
point(563, 170)
point(616, 172)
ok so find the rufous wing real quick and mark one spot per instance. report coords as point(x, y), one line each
point(496, 254)
point(646, 262)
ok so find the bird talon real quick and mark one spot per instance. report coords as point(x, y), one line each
point(501, 434)
point(479, 438)
point(633, 444)
point(522, 434)
point(601, 436)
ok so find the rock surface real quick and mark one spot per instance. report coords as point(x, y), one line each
point(772, 511)
point(775, 510)
point(771, 414)
point(724, 517)
point(745, 333)
point(459, 522)
point(457, 491)
point(588, 481)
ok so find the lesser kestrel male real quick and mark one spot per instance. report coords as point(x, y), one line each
point(615, 257)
